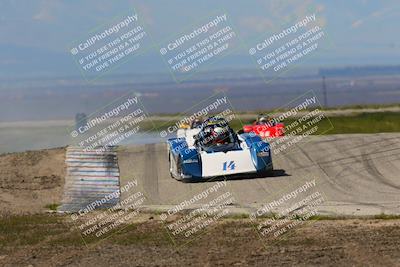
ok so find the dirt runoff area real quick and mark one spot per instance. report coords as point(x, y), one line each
point(49, 240)
point(31, 180)
point(29, 236)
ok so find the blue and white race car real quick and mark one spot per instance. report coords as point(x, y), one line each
point(216, 150)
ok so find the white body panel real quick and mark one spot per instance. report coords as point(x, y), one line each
point(188, 134)
point(181, 133)
point(232, 162)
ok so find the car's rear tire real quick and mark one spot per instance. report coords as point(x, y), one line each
point(267, 172)
point(270, 170)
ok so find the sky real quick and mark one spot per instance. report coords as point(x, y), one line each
point(36, 35)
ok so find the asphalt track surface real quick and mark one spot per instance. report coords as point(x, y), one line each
point(357, 174)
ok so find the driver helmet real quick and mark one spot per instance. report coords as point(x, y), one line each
point(220, 135)
point(262, 119)
point(196, 123)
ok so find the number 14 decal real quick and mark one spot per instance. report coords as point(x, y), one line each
point(228, 165)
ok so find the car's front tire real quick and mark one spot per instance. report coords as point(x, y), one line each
point(175, 167)
point(172, 165)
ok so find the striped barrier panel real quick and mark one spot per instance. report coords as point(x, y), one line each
point(92, 180)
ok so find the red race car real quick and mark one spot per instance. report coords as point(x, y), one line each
point(265, 127)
